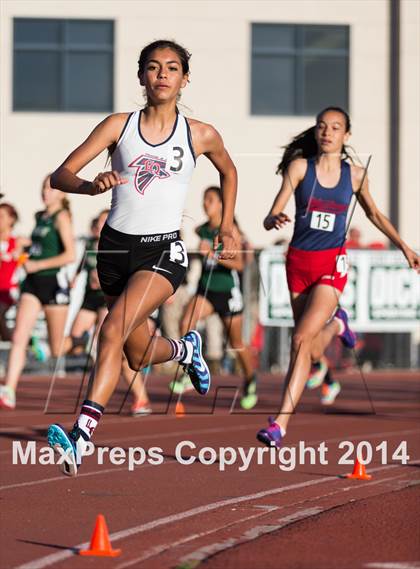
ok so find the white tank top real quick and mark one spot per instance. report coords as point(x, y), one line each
point(158, 177)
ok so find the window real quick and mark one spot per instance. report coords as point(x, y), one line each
point(298, 69)
point(63, 65)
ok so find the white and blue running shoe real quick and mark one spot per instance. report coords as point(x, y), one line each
point(65, 449)
point(195, 366)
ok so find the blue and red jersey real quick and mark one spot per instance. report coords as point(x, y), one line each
point(321, 213)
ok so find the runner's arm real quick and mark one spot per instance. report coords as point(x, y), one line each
point(208, 141)
point(103, 136)
point(293, 175)
point(380, 220)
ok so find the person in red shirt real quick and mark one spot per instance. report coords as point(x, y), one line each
point(353, 240)
point(11, 255)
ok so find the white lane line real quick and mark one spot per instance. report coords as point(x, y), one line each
point(162, 548)
point(53, 558)
point(202, 431)
point(166, 434)
point(145, 437)
point(209, 550)
point(159, 549)
point(64, 478)
point(243, 428)
point(206, 551)
point(120, 418)
point(394, 565)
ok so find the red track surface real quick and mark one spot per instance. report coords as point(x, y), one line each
point(172, 515)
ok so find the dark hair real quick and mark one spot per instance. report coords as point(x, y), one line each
point(65, 202)
point(183, 54)
point(11, 211)
point(304, 145)
point(218, 191)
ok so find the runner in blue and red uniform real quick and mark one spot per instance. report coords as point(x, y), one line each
point(315, 168)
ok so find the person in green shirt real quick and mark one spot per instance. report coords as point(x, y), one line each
point(219, 291)
point(44, 288)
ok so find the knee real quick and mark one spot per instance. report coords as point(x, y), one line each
point(110, 334)
point(301, 341)
point(316, 354)
point(55, 351)
point(238, 345)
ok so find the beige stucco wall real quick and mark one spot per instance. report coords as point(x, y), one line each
point(218, 35)
point(410, 121)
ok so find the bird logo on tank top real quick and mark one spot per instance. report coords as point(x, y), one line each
point(148, 169)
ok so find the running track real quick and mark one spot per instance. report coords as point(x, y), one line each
point(172, 515)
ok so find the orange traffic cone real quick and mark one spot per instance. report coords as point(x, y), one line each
point(23, 257)
point(180, 410)
point(100, 544)
point(359, 472)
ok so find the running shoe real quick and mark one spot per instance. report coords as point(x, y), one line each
point(272, 434)
point(181, 385)
point(317, 377)
point(7, 397)
point(249, 398)
point(140, 407)
point(38, 349)
point(63, 443)
point(347, 337)
point(197, 368)
point(330, 392)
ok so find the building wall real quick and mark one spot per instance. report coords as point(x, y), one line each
point(218, 33)
point(410, 121)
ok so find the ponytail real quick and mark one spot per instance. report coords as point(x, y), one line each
point(302, 146)
point(65, 202)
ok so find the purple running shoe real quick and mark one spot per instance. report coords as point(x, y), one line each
point(271, 434)
point(347, 337)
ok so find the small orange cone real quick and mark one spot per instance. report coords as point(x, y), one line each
point(180, 410)
point(359, 472)
point(100, 544)
point(23, 257)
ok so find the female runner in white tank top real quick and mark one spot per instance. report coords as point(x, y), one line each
point(141, 258)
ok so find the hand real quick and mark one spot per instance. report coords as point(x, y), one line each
point(276, 221)
point(32, 266)
point(413, 259)
point(105, 181)
point(228, 242)
point(205, 247)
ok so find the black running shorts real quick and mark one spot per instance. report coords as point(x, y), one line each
point(225, 304)
point(120, 255)
point(47, 289)
point(93, 300)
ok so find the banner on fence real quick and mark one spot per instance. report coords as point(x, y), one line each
point(382, 293)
